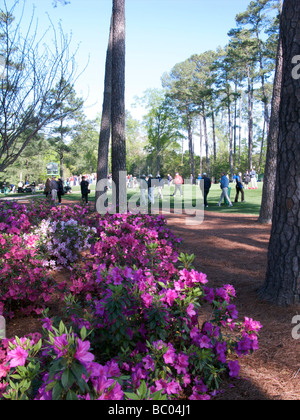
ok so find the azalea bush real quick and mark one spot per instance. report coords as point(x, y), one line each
point(152, 329)
point(139, 321)
point(62, 242)
point(14, 218)
point(57, 365)
point(25, 284)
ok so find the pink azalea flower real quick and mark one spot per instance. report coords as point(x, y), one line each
point(17, 357)
point(182, 363)
point(170, 355)
point(234, 368)
point(171, 295)
point(60, 344)
point(148, 363)
point(82, 353)
point(190, 310)
point(147, 299)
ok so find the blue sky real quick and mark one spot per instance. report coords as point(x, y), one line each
point(159, 34)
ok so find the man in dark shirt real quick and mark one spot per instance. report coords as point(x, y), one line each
point(207, 185)
point(84, 185)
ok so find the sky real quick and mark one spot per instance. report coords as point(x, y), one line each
point(159, 34)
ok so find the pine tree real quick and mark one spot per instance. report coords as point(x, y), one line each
point(282, 283)
point(118, 104)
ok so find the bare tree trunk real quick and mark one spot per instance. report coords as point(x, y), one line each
point(267, 202)
point(262, 146)
point(118, 104)
point(61, 151)
point(230, 139)
point(206, 143)
point(240, 130)
point(282, 284)
point(214, 133)
point(201, 142)
point(190, 138)
point(234, 126)
point(102, 165)
point(250, 120)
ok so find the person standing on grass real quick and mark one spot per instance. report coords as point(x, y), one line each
point(47, 190)
point(178, 184)
point(159, 186)
point(239, 188)
point(253, 179)
point(207, 185)
point(143, 189)
point(84, 185)
point(247, 179)
point(224, 188)
point(53, 189)
point(60, 190)
point(151, 189)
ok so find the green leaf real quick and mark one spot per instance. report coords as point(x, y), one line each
point(67, 379)
point(61, 328)
point(142, 391)
point(71, 396)
point(131, 396)
point(83, 333)
point(158, 396)
point(57, 391)
point(16, 377)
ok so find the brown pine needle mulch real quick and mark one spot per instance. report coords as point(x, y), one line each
point(233, 249)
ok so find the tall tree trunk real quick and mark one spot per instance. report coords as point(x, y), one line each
point(118, 105)
point(282, 284)
point(230, 139)
point(250, 120)
point(267, 202)
point(214, 133)
point(61, 151)
point(263, 85)
point(262, 147)
point(103, 148)
point(201, 142)
point(158, 154)
point(240, 130)
point(206, 143)
point(235, 125)
point(190, 138)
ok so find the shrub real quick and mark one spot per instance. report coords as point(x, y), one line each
point(25, 283)
point(135, 324)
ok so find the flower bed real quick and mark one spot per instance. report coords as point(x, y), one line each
point(132, 326)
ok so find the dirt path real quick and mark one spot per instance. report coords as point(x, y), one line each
point(233, 249)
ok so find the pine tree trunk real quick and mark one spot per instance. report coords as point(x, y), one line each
point(282, 284)
point(190, 139)
point(267, 202)
point(214, 133)
point(250, 120)
point(240, 130)
point(118, 105)
point(102, 165)
point(206, 144)
point(230, 140)
point(201, 143)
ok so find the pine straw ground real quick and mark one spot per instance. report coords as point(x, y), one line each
point(233, 249)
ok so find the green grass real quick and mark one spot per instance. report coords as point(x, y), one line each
point(251, 206)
